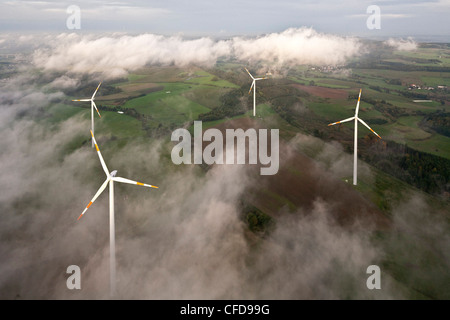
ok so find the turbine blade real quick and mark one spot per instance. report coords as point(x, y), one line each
point(251, 87)
point(82, 100)
point(346, 120)
point(124, 180)
point(96, 91)
point(357, 104)
point(362, 121)
point(96, 108)
point(105, 168)
point(249, 73)
point(99, 192)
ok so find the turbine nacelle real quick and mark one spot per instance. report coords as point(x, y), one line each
point(113, 173)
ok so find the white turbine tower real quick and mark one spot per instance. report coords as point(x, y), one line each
point(253, 86)
point(92, 109)
point(355, 150)
point(110, 178)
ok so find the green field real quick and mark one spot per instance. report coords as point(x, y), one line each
point(168, 106)
point(342, 109)
point(117, 124)
point(61, 112)
point(120, 125)
point(406, 130)
point(441, 55)
point(206, 95)
point(324, 82)
point(205, 78)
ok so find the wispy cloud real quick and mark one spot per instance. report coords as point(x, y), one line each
point(100, 10)
point(402, 44)
point(385, 16)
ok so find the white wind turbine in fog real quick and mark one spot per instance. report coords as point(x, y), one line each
point(253, 86)
point(110, 178)
point(355, 149)
point(92, 109)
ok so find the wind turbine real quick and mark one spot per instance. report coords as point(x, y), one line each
point(253, 86)
point(355, 149)
point(92, 109)
point(110, 178)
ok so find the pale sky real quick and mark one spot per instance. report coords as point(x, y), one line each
point(231, 17)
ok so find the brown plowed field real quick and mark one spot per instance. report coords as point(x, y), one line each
point(300, 182)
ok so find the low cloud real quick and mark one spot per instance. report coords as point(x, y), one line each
point(116, 55)
point(330, 156)
point(402, 44)
point(296, 46)
point(64, 82)
point(316, 259)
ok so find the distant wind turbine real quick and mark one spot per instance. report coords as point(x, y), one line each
point(253, 86)
point(110, 178)
point(355, 149)
point(92, 109)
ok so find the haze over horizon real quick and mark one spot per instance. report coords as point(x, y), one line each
point(423, 20)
